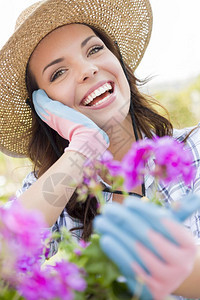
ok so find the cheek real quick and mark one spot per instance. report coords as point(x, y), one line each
point(112, 64)
point(62, 94)
point(116, 69)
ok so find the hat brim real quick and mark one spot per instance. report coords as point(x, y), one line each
point(129, 22)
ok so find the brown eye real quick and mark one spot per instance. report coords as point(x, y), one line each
point(95, 50)
point(57, 74)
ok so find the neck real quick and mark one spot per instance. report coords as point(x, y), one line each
point(121, 137)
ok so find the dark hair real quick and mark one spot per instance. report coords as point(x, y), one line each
point(41, 152)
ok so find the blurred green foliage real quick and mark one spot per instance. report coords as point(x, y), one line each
point(183, 105)
point(12, 172)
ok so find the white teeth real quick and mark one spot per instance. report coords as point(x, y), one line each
point(101, 90)
point(101, 101)
point(93, 95)
point(108, 85)
point(90, 98)
point(98, 92)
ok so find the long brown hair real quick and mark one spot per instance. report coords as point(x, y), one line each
point(43, 155)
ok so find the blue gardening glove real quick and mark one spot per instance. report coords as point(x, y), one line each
point(152, 249)
point(83, 134)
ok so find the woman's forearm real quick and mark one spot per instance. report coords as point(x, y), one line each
point(51, 192)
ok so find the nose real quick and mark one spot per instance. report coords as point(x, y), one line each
point(86, 70)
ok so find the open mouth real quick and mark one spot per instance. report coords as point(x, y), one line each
point(99, 96)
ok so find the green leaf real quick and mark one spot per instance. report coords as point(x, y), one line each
point(104, 271)
point(121, 291)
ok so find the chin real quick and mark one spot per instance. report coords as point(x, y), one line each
point(114, 121)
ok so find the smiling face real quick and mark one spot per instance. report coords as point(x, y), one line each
point(75, 67)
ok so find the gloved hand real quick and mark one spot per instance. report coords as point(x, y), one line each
point(83, 134)
point(152, 249)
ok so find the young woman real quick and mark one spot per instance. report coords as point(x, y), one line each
point(68, 92)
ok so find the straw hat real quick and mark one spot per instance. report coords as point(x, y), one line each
point(128, 22)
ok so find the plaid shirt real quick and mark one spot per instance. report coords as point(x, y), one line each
point(168, 193)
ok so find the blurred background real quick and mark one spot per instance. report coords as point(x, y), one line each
point(171, 63)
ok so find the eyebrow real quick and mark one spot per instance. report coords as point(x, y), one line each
point(87, 40)
point(58, 60)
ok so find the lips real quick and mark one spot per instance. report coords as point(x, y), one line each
point(98, 95)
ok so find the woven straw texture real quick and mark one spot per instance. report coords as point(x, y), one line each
point(128, 22)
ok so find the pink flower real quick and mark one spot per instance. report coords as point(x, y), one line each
point(106, 157)
point(25, 226)
point(112, 165)
point(53, 282)
point(173, 161)
point(38, 285)
point(70, 276)
point(90, 172)
point(83, 244)
point(22, 235)
point(133, 165)
point(77, 251)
